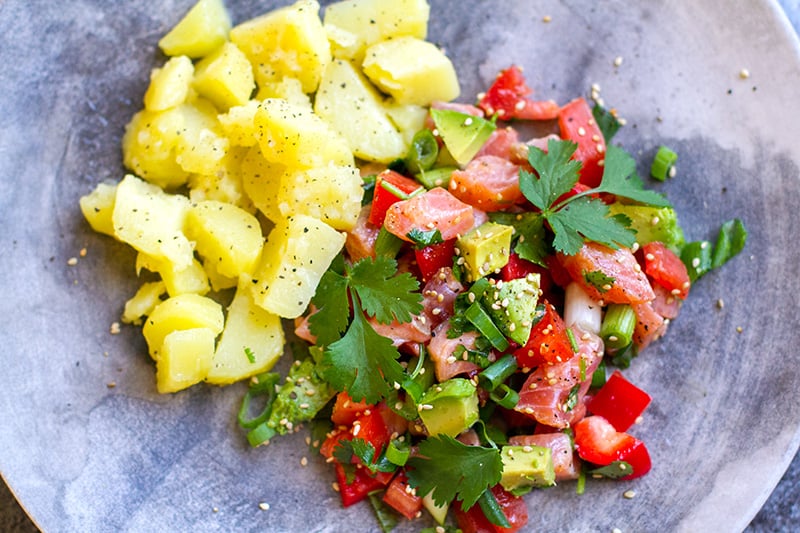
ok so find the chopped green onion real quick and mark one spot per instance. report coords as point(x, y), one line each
point(599, 375)
point(492, 510)
point(730, 241)
point(499, 371)
point(663, 163)
point(572, 341)
point(387, 519)
point(387, 244)
point(261, 385)
point(385, 184)
point(423, 151)
point(618, 325)
point(572, 399)
point(398, 452)
point(476, 314)
point(509, 398)
point(697, 257)
point(436, 177)
point(250, 355)
point(581, 485)
point(368, 184)
point(260, 435)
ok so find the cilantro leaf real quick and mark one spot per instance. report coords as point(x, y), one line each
point(588, 218)
point(529, 238)
point(620, 179)
point(384, 299)
point(598, 280)
point(425, 238)
point(608, 123)
point(453, 470)
point(361, 362)
point(557, 173)
point(333, 309)
point(365, 452)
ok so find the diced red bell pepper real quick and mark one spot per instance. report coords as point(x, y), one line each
point(362, 484)
point(383, 197)
point(399, 496)
point(474, 521)
point(346, 410)
point(665, 268)
point(435, 256)
point(619, 401)
point(508, 98)
point(548, 341)
point(577, 124)
point(599, 443)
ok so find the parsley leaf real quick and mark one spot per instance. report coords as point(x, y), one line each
point(529, 236)
point(557, 173)
point(453, 470)
point(620, 179)
point(425, 238)
point(346, 449)
point(333, 308)
point(608, 123)
point(361, 362)
point(598, 280)
point(385, 300)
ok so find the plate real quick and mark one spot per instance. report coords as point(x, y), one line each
point(88, 445)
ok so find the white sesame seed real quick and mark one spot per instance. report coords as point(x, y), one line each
point(744, 73)
point(547, 18)
point(629, 494)
point(303, 461)
point(264, 506)
point(618, 61)
point(115, 328)
point(72, 261)
point(720, 303)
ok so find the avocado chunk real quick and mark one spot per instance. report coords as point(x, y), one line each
point(300, 397)
point(485, 249)
point(449, 407)
point(652, 224)
point(527, 466)
point(463, 134)
point(512, 306)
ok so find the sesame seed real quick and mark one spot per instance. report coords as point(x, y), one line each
point(111, 384)
point(527, 449)
point(83, 252)
point(335, 486)
point(744, 73)
point(616, 530)
point(639, 419)
point(739, 329)
point(468, 121)
point(618, 61)
point(654, 221)
point(72, 261)
point(547, 18)
point(303, 461)
point(672, 171)
point(115, 328)
point(264, 506)
point(649, 257)
point(720, 303)
point(629, 494)
point(582, 132)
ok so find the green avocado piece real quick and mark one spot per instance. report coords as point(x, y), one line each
point(665, 229)
point(463, 134)
point(512, 305)
point(485, 249)
point(527, 466)
point(300, 397)
point(449, 407)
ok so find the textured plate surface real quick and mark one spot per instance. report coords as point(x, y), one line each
point(724, 422)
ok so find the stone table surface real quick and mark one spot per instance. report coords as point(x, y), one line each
point(780, 513)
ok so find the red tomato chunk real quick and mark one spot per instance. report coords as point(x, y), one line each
point(619, 401)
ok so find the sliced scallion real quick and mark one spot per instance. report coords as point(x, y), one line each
point(398, 452)
point(262, 385)
point(618, 325)
point(387, 244)
point(423, 151)
point(436, 177)
point(492, 510)
point(663, 163)
point(505, 396)
point(476, 314)
point(499, 371)
point(599, 375)
point(260, 434)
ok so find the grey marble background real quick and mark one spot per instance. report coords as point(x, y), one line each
point(781, 513)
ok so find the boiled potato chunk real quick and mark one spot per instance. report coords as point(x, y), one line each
point(224, 185)
point(169, 85)
point(408, 118)
point(185, 311)
point(297, 253)
point(225, 77)
point(217, 280)
point(143, 302)
point(191, 279)
point(261, 180)
point(238, 124)
point(203, 29)
point(287, 88)
point(152, 221)
point(250, 332)
point(353, 25)
point(291, 40)
point(149, 147)
point(297, 138)
point(185, 359)
point(201, 145)
point(349, 103)
point(98, 206)
point(331, 194)
point(412, 71)
point(226, 236)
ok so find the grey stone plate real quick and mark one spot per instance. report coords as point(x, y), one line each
point(723, 425)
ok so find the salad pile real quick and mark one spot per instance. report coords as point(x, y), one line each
point(463, 297)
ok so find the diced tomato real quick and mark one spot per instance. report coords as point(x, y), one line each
point(548, 341)
point(508, 98)
point(383, 197)
point(649, 325)
point(666, 269)
point(599, 443)
point(431, 210)
point(577, 124)
point(401, 499)
point(619, 401)
point(474, 521)
point(346, 410)
point(629, 284)
point(330, 443)
point(368, 425)
point(489, 183)
point(435, 256)
point(395, 424)
point(518, 268)
point(362, 484)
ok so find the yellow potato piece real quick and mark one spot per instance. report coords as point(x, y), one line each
point(190, 279)
point(238, 124)
point(226, 236)
point(291, 40)
point(98, 206)
point(149, 147)
point(354, 108)
point(201, 146)
point(225, 184)
point(185, 359)
point(225, 77)
point(297, 253)
point(408, 118)
point(261, 180)
point(169, 85)
point(295, 137)
point(412, 71)
point(203, 29)
point(331, 194)
point(250, 332)
point(287, 88)
point(185, 311)
point(151, 221)
point(141, 304)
